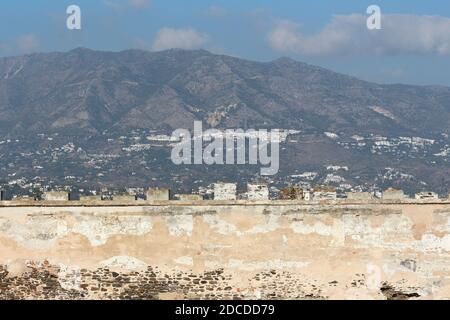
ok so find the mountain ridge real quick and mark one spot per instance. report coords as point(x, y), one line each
point(99, 90)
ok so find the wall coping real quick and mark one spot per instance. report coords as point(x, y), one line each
point(209, 203)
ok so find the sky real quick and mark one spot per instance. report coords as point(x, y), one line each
point(412, 46)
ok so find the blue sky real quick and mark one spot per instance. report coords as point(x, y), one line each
point(413, 46)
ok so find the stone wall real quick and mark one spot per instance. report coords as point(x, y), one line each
point(393, 194)
point(224, 191)
point(123, 197)
point(158, 194)
point(56, 196)
point(360, 196)
point(257, 191)
point(190, 197)
point(217, 250)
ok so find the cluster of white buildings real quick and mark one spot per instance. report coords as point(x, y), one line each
point(258, 191)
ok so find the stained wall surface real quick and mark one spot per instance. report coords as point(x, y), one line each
point(264, 250)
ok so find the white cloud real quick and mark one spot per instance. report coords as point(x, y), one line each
point(27, 43)
point(346, 35)
point(182, 38)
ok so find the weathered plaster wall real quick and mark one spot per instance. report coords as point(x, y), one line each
point(292, 251)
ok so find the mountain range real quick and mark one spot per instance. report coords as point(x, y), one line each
point(83, 96)
point(90, 91)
